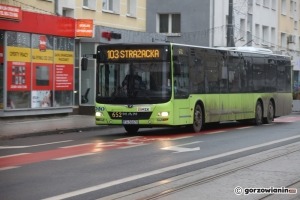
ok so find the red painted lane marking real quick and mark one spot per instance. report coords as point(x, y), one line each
point(43, 156)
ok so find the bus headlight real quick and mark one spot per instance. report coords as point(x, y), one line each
point(163, 114)
point(99, 114)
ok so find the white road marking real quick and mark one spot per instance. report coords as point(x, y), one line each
point(35, 145)
point(75, 156)
point(19, 154)
point(77, 145)
point(162, 170)
point(7, 168)
point(179, 149)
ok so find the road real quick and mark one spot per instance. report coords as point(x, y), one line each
point(96, 164)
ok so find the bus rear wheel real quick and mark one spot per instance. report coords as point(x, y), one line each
point(258, 113)
point(270, 114)
point(198, 119)
point(131, 129)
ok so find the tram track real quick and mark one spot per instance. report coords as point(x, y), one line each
point(187, 181)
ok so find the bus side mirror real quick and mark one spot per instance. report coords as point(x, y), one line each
point(177, 70)
point(84, 63)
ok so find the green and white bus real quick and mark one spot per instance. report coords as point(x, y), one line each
point(155, 85)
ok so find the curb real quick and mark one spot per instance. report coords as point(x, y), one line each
point(51, 132)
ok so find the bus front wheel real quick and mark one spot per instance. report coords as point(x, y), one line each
point(198, 119)
point(131, 129)
point(258, 113)
point(270, 114)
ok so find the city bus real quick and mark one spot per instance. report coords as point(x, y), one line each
point(176, 85)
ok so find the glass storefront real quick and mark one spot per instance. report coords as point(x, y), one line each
point(39, 71)
point(88, 77)
point(1, 69)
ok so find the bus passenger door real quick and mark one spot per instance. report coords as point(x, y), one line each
point(182, 111)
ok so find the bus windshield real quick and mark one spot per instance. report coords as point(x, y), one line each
point(133, 83)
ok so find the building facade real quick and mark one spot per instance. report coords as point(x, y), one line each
point(289, 39)
point(186, 22)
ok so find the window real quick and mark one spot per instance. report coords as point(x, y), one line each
point(273, 6)
point(63, 95)
point(131, 8)
point(18, 71)
point(234, 80)
point(283, 40)
point(68, 12)
point(257, 2)
point(273, 36)
point(293, 9)
point(296, 25)
point(242, 29)
point(265, 35)
point(257, 35)
point(90, 4)
point(283, 7)
point(169, 23)
point(266, 3)
point(111, 6)
point(258, 74)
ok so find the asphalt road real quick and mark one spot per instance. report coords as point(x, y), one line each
point(95, 164)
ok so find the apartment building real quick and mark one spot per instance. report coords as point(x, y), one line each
point(91, 22)
point(289, 37)
point(271, 24)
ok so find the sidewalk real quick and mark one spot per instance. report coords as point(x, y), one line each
point(22, 127)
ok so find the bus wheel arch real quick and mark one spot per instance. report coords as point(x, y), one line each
point(270, 112)
point(258, 118)
point(198, 117)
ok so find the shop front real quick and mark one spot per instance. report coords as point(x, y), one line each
point(36, 63)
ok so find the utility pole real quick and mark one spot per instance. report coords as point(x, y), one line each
point(230, 40)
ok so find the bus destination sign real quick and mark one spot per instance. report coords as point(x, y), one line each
point(131, 53)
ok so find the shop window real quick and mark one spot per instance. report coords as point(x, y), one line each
point(42, 71)
point(18, 70)
point(63, 71)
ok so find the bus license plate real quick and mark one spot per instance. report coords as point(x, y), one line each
point(130, 122)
